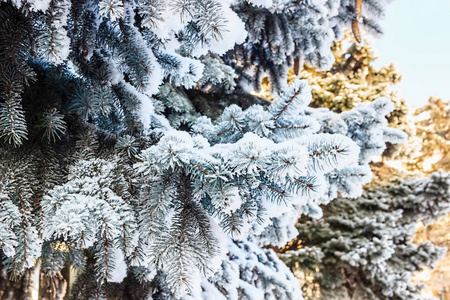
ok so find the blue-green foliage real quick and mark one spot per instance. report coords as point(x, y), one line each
point(371, 236)
point(93, 173)
point(281, 31)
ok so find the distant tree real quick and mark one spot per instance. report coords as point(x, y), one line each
point(362, 248)
point(353, 79)
point(429, 149)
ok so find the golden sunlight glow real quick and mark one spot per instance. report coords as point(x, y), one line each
point(428, 163)
point(377, 159)
point(260, 94)
point(424, 276)
point(396, 164)
point(59, 246)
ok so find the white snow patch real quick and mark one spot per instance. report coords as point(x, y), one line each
point(119, 271)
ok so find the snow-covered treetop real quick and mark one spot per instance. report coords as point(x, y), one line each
point(145, 43)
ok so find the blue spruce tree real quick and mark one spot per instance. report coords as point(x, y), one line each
point(132, 153)
point(362, 248)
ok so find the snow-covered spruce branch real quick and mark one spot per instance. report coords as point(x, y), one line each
point(19, 238)
point(90, 211)
point(149, 42)
point(248, 183)
point(241, 184)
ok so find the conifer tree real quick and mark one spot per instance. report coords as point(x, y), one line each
point(109, 167)
point(429, 149)
point(362, 248)
point(353, 79)
point(331, 270)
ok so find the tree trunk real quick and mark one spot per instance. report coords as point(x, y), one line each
point(15, 289)
point(32, 286)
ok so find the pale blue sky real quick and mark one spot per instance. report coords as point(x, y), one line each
point(417, 39)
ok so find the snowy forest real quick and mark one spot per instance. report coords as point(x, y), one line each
point(213, 149)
